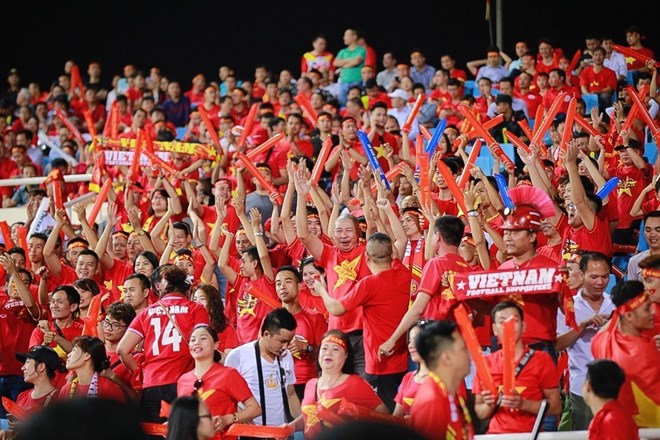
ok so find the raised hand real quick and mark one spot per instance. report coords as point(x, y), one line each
point(383, 204)
point(303, 182)
point(255, 219)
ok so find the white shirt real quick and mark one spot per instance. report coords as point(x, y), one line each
point(634, 273)
point(617, 62)
point(401, 116)
point(244, 360)
point(579, 354)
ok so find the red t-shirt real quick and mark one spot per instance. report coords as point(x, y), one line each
point(598, 239)
point(231, 222)
point(310, 327)
point(107, 389)
point(69, 333)
point(552, 252)
point(380, 139)
point(227, 339)
point(166, 355)
point(597, 81)
point(631, 184)
point(308, 300)
point(538, 374)
point(612, 422)
point(16, 326)
point(407, 391)
point(30, 405)
point(540, 310)
point(343, 270)
point(431, 283)
point(446, 207)
point(633, 63)
point(437, 414)
point(384, 298)
point(131, 378)
point(552, 93)
point(222, 389)
point(354, 389)
point(119, 272)
point(250, 311)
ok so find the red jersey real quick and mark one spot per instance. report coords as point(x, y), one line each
point(381, 139)
point(438, 415)
point(222, 389)
point(343, 270)
point(595, 82)
point(538, 374)
point(598, 239)
point(354, 389)
point(107, 389)
point(532, 100)
point(227, 339)
point(311, 301)
point(540, 310)
point(232, 223)
point(431, 283)
point(16, 326)
point(552, 93)
point(30, 405)
point(407, 391)
point(69, 333)
point(131, 378)
point(116, 276)
point(632, 181)
point(384, 298)
point(633, 63)
point(612, 422)
point(552, 252)
point(310, 327)
point(446, 207)
point(251, 311)
point(166, 355)
point(414, 260)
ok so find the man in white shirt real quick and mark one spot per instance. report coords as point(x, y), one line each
point(400, 110)
point(267, 367)
point(592, 310)
point(385, 77)
point(614, 60)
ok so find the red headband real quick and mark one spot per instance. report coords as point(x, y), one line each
point(631, 305)
point(335, 340)
point(185, 257)
point(650, 273)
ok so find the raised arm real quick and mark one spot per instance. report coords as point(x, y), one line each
point(223, 257)
point(90, 234)
point(260, 242)
point(23, 290)
point(303, 185)
point(101, 249)
point(50, 257)
point(175, 202)
point(157, 231)
point(192, 198)
point(400, 238)
point(285, 215)
point(578, 195)
point(143, 237)
point(221, 210)
point(239, 207)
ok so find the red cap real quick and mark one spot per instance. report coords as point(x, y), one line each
point(524, 217)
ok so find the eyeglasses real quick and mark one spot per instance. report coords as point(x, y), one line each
point(196, 386)
point(112, 325)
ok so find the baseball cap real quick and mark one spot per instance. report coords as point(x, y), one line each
point(398, 93)
point(41, 353)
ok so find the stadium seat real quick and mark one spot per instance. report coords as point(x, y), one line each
point(180, 131)
point(651, 152)
point(470, 85)
point(630, 78)
point(485, 163)
point(509, 151)
point(591, 99)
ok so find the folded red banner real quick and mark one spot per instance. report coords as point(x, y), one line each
point(245, 430)
point(154, 429)
point(532, 281)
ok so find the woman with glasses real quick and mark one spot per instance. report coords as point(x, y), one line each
point(87, 360)
point(117, 319)
point(410, 383)
point(337, 380)
point(220, 388)
point(190, 419)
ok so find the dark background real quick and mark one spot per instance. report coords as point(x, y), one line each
point(185, 37)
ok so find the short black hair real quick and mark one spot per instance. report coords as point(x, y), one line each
point(182, 226)
point(433, 339)
point(506, 305)
point(624, 291)
point(605, 377)
point(72, 294)
point(89, 252)
point(144, 281)
point(595, 257)
point(277, 320)
point(450, 228)
point(293, 269)
point(121, 312)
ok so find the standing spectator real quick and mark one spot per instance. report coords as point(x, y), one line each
point(634, 37)
point(318, 58)
point(601, 390)
point(440, 407)
point(196, 93)
point(176, 106)
point(371, 59)
point(385, 77)
point(592, 309)
point(521, 48)
point(350, 60)
point(268, 368)
point(614, 60)
point(420, 71)
point(548, 57)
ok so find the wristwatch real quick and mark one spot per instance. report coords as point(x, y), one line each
point(140, 233)
point(310, 348)
point(473, 213)
point(234, 418)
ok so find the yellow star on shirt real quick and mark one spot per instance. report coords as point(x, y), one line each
point(347, 270)
point(380, 151)
point(625, 186)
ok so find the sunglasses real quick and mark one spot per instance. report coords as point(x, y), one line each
point(196, 386)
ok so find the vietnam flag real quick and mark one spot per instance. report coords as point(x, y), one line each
point(640, 360)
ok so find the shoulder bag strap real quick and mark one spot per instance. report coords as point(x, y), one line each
point(262, 393)
point(285, 398)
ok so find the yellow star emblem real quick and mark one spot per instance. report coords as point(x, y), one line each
point(625, 186)
point(347, 270)
point(408, 400)
point(630, 60)
point(380, 151)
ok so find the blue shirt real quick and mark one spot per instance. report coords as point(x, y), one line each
point(177, 113)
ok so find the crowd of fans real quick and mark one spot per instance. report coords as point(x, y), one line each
point(321, 278)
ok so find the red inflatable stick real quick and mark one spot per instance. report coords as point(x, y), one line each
point(260, 295)
point(103, 194)
point(644, 113)
point(13, 409)
point(67, 123)
point(321, 159)
point(633, 113)
point(252, 169)
point(567, 135)
point(424, 168)
point(517, 142)
point(91, 128)
point(354, 411)
point(452, 186)
point(267, 145)
point(425, 132)
point(524, 125)
point(509, 356)
point(155, 429)
point(632, 53)
point(413, 114)
point(304, 104)
point(493, 146)
point(6, 235)
point(474, 347)
point(472, 158)
point(249, 123)
point(471, 132)
point(574, 62)
point(157, 161)
point(91, 321)
point(57, 194)
point(21, 231)
point(259, 431)
point(134, 173)
point(209, 125)
point(542, 127)
point(165, 409)
point(76, 82)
